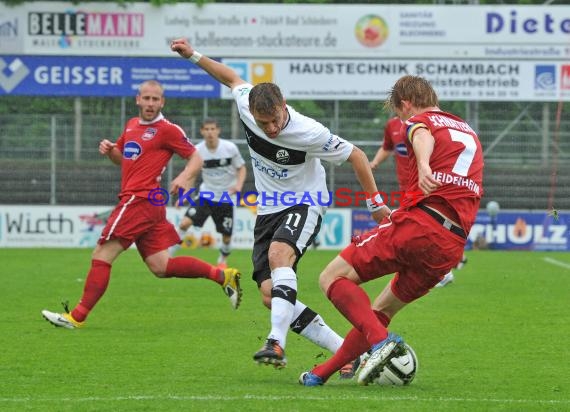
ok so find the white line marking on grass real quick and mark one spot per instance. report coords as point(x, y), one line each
point(327, 398)
point(557, 262)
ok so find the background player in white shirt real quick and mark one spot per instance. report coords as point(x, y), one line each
point(286, 150)
point(223, 175)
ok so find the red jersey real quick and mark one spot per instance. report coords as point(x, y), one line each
point(395, 140)
point(456, 161)
point(147, 149)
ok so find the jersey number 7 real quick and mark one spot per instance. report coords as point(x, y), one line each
point(465, 158)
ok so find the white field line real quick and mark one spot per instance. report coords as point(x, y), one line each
point(328, 398)
point(557, 262)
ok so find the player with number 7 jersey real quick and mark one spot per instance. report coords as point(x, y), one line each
point(456, 162)
point(420, 241)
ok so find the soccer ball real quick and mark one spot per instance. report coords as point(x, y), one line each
point(401, 370)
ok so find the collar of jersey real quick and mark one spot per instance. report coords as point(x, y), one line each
point(156, 119)
point(288, 120)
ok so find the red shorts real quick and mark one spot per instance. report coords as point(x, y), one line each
point(136, 220)
point(412, 244)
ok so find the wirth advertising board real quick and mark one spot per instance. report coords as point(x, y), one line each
point(49, 226)
point(291, 30)
point(80, 226)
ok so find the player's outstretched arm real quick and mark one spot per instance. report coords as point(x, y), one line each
point(217, 70)
point(109, 149)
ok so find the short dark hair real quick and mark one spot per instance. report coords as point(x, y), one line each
point(265, 98)
point(209, 120)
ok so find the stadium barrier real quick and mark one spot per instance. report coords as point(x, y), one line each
point(80, 226)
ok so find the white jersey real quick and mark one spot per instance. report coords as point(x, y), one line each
point(219, 172)
point(288, 169)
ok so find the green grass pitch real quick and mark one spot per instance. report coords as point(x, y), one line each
point(496, 339)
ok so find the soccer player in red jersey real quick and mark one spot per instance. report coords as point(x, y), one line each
point(394, 142)
point(420, 242)
point(143, 150)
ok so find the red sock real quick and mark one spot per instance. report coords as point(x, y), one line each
point(353, 346)
point(353, 302)
point(383, 318)
point(95, 286)
point(191, 267)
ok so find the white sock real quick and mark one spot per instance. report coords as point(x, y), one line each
point(225, 250)
point(284, 295)
point(311, 326)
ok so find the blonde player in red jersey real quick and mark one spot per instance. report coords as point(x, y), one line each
point(143, 150)
point(420, 242)
point(395, 142)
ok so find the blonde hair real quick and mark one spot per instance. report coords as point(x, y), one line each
point(415, 89)
point(151, 83)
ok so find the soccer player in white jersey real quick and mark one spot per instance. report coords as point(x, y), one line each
point(286, 150)
point(223, 175)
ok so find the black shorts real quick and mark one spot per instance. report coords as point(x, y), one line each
point(298, 226)
point(222, 214)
